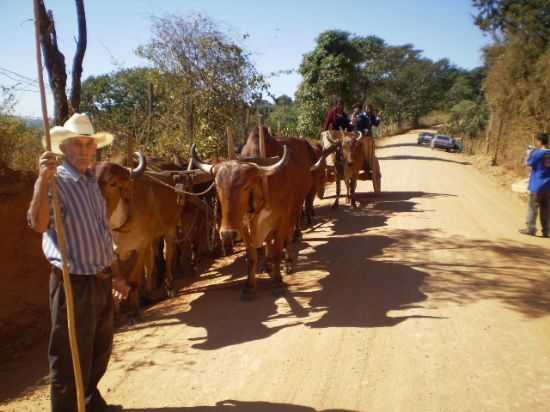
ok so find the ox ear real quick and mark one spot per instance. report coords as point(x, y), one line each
point(195, 161)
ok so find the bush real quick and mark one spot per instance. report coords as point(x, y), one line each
point(20, 145)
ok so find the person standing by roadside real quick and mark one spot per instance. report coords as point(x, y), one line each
point(89, 253)
point(538, 159)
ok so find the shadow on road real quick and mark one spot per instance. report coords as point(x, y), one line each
point(517, 275)
point(431, 158)
point(239, 406)
point(387, 146)
point(353, 290)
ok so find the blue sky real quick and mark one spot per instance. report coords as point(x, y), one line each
point(280, 32)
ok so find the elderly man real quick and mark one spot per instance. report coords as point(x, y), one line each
point(89, 253)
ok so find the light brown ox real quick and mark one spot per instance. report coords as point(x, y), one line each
point(260, 204)
point(307, 154)
point(348, 161)
point(140, 211)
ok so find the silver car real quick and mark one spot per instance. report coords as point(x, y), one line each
point(441, 141)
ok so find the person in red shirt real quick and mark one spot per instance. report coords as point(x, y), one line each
point(337, 119)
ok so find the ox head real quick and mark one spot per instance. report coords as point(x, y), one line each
point(352, 148)
point(115, 184)
point(240, 190)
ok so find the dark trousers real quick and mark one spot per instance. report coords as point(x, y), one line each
point(94, 329)
point(539, 204)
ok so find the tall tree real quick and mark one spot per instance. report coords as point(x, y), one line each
point(330, 70)
point(55, 61)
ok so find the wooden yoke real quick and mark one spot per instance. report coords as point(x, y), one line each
point(73, 343)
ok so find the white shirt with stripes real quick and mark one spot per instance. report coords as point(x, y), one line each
point(84, 214)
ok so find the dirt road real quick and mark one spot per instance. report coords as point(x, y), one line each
point(423, 299)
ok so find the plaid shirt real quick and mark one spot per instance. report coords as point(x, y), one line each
point(84, 214)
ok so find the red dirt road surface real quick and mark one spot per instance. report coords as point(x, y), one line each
point(422, 299)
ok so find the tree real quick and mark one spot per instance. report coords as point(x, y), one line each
point(125, 102)
point(330, 70)
point(529, 19)
point(283, 118)
point(55, 61)
point(210, 81)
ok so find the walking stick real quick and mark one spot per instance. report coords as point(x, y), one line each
point(73, 343)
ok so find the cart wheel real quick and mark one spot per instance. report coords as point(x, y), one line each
point(376, 177)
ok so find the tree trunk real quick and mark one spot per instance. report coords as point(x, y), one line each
point(498, 142)
point(54, 62)
point(79, 56)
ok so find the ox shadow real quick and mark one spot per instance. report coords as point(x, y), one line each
point(353, 290)
point(239, 406)
point(428, 158)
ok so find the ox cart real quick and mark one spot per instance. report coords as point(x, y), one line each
point(370, 170)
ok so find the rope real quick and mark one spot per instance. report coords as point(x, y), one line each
point(180, 191)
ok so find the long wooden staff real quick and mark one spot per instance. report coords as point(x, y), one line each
point(59, 229)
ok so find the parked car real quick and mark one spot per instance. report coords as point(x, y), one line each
point(425, 137)
point(444, 142)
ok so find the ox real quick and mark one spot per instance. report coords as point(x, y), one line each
point(140, 211)
point(305, 154)
point(348, 161)
point(260, 204)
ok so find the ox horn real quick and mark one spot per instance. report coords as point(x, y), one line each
point(323, 157)
point(140, 168)
point(360, 137)
point(195, 161)
point(269, 170)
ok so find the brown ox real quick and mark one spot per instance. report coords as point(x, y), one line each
point(140, 211)
point(259, 204)
point(305, 155)
point(348, 161)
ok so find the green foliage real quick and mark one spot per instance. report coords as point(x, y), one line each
point(397, 80)
point(517, 84)
point(211, 81)
point(331, 70)
point(468, 118)
point(19, 145)
point(528, 19)
point(200, 82)
point(283, 118)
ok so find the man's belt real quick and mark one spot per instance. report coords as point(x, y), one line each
point(104, 273)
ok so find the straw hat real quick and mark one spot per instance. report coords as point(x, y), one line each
point(78, 125)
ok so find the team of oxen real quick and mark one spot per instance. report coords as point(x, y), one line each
point(262, 198)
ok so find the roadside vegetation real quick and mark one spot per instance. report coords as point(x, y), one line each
point(198, 81)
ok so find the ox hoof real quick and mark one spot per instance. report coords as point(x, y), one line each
point(335, 206)
point(134, 319)
point(289, 268)
point(170, 292)
point(279, 287)
point(248, 294)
